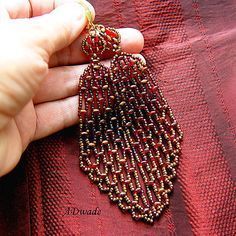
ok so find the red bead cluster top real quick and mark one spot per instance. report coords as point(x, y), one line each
point(100, 40)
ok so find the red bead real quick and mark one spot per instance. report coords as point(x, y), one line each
point(150, 183)
point(111, 33)
point(134, 203)
point(118, 140)
point(83, 114)
point(151, 125)
point(161, 191)
point(89, 40)
point(138, 191)
point(131, 111)
point(167, 151)
point(86, 48)
point(139, 95)
point(96, 155)
point(139, 131)
point(152, 159)
point(144, 162)
point(122, 194)
point(144, 139)
point(128, 124)
point(131, 99)
point(131, 63)
point(135, 144)
point(162, 119)
point(153, 89)
point(146, 151)
point(113, 184)
point(84, 155)
point(150, 113)
point(140, 118)
point(157, 145)
point(109, 131)
point(114, 151)
point(122, 161)
point(96, 39)
point(164, 165)
point(131, 169)
point(127, 149)
point(100, 154)
point(96, 112)
point(146, 210)
point(156, 204)
point(109, 163)
point(142, 107)
point(92, 166)
point(162, 178)
point(103, 175)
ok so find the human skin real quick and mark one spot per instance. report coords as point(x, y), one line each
point(40, 64)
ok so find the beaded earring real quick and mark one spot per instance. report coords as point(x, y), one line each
point(129, 140)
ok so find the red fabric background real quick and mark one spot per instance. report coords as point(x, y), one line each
point(191, 48)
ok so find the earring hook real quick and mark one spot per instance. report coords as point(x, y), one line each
point(88, 13)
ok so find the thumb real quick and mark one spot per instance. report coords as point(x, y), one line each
point(60, 27)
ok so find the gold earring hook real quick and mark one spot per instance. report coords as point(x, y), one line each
point(88, 13)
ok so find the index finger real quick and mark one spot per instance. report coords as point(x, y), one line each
point(15, 9)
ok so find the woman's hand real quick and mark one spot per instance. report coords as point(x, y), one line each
point(39, 43)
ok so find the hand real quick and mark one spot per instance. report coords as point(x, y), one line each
point(40, 44)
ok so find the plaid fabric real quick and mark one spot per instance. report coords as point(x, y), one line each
point(190, 47)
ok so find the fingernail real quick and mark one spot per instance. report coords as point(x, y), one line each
point(74, 14)
point(71, 11)
point(79, 10)
point(87, 5)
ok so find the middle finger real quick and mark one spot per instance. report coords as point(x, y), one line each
point(132, 41)
point(62, 82)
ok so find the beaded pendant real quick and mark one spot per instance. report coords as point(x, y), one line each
point(129, 140)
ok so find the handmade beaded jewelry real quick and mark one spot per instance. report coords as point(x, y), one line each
point(129, 139)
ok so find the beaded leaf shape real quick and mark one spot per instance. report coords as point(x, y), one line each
point(129, 139)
